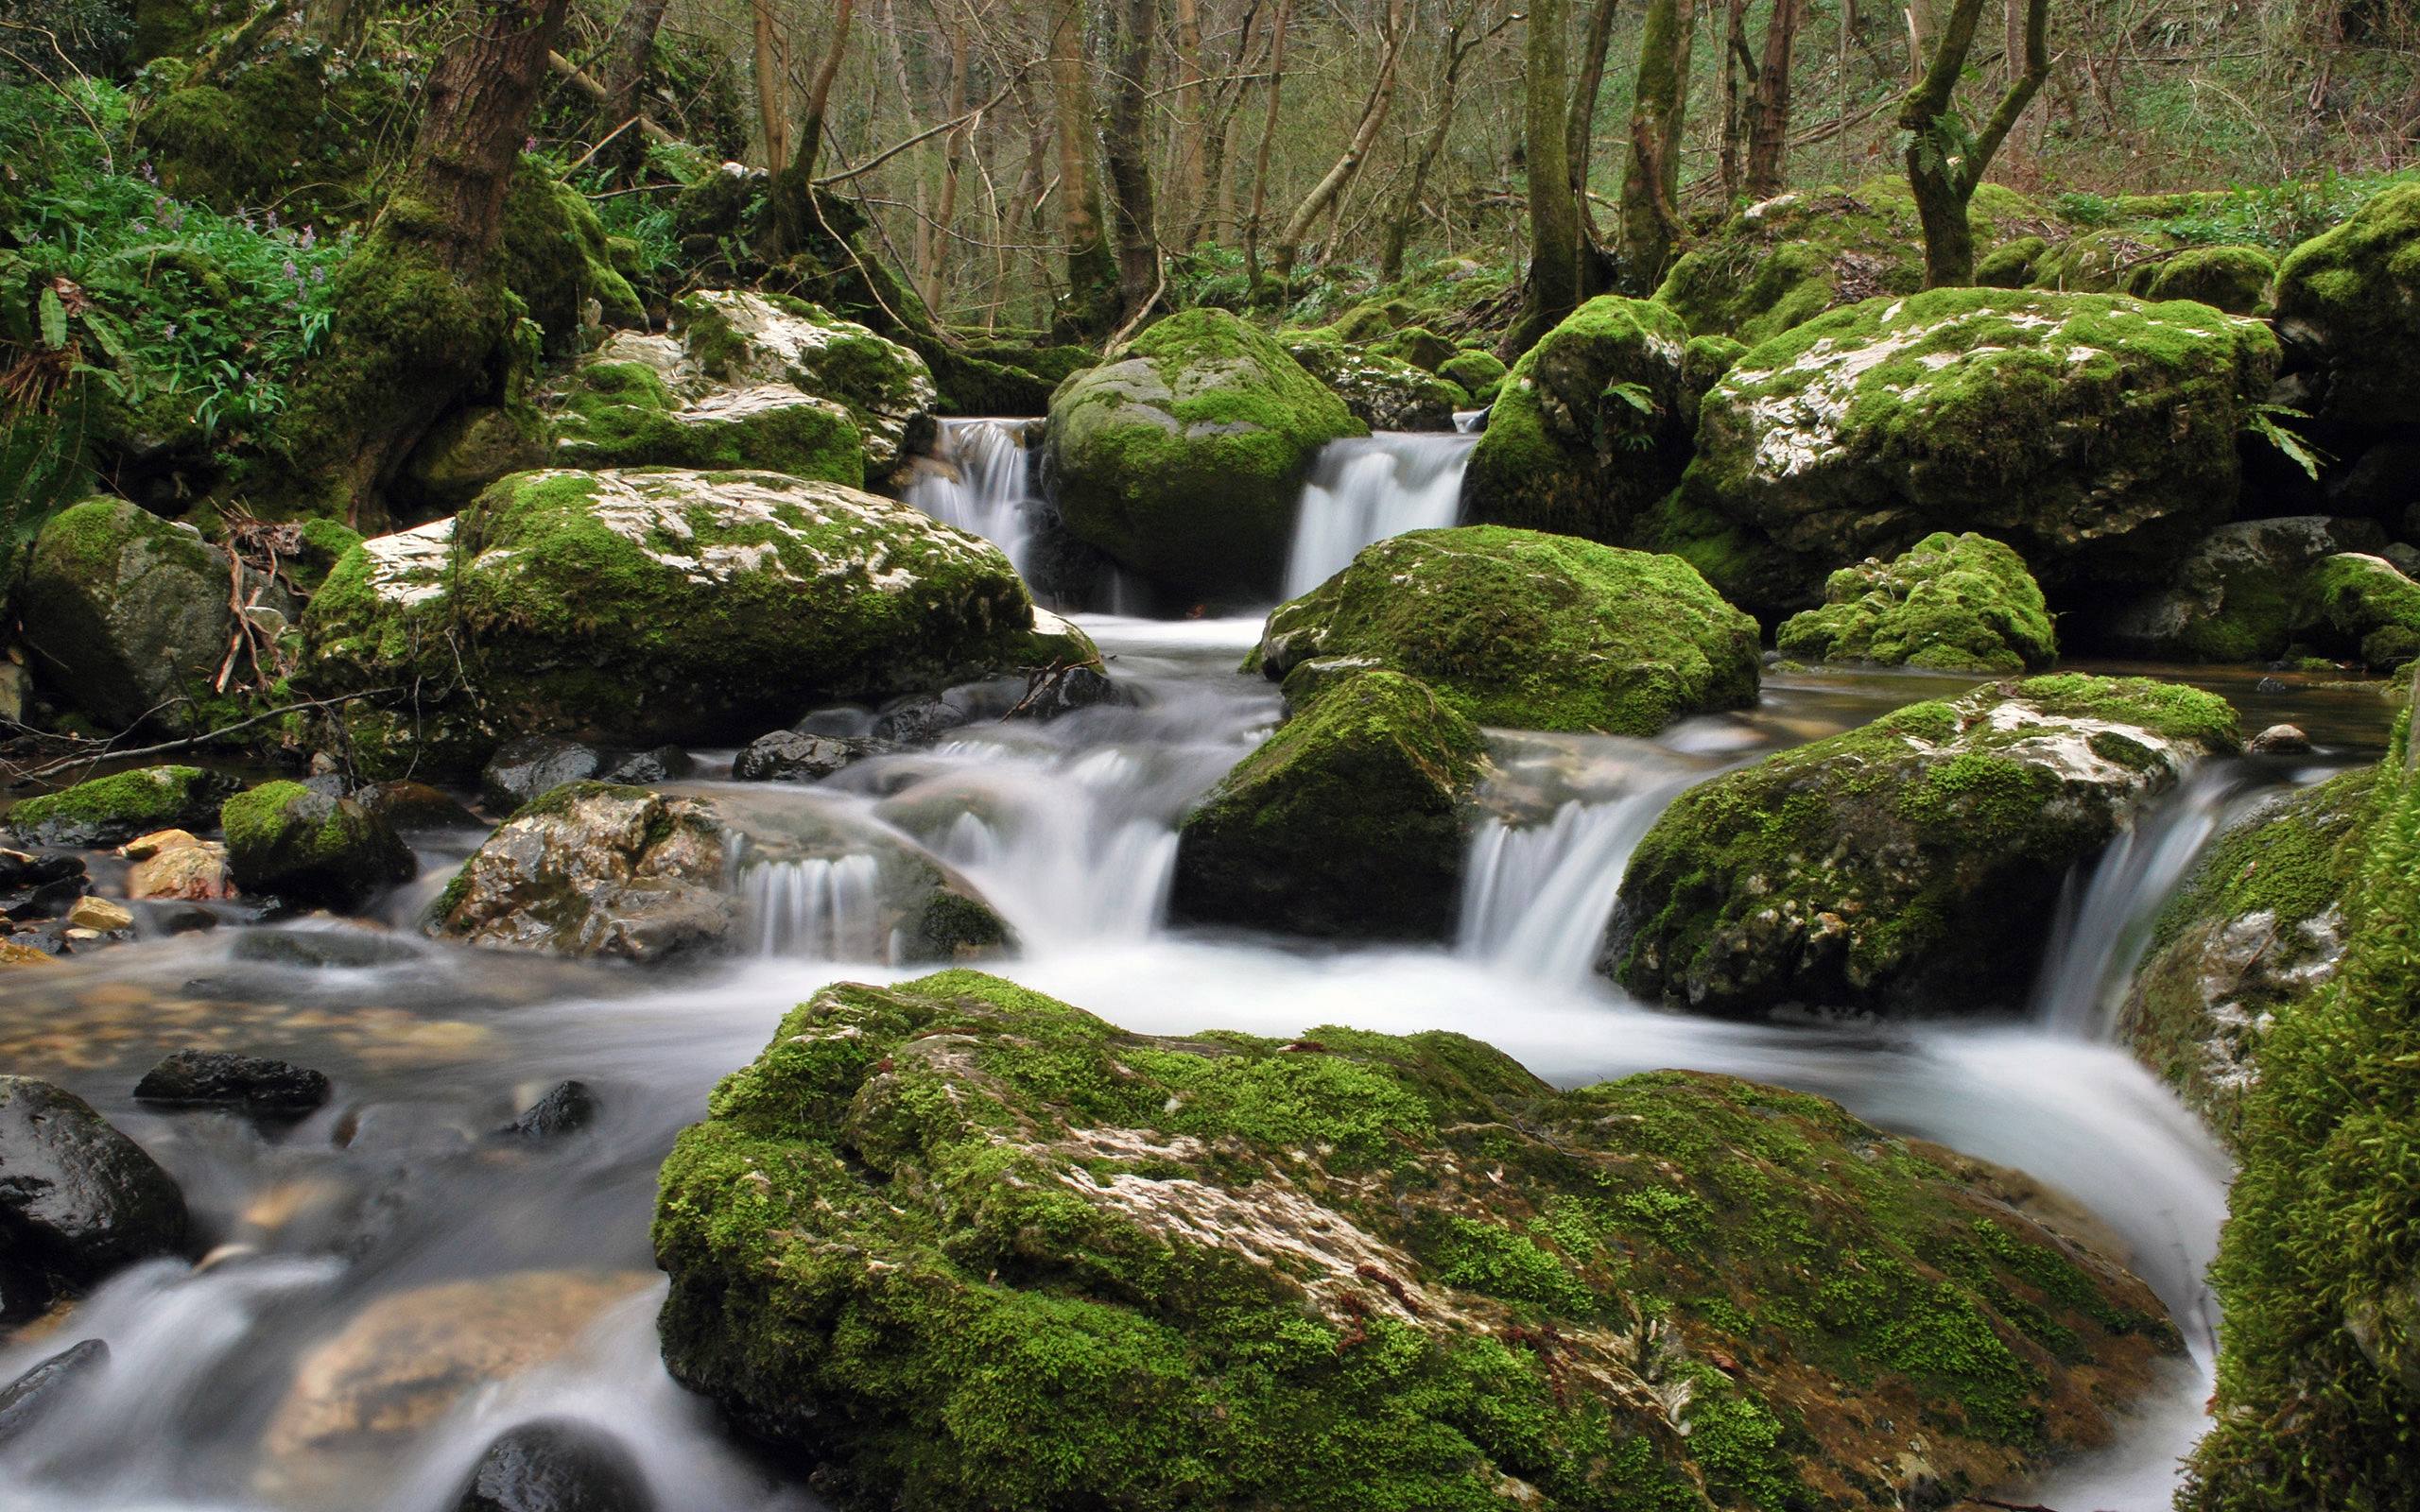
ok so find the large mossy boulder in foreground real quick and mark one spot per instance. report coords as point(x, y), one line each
point(1590, 426)
point(129, 617)
point(1911, 865)
point(1352, 819)
point(636, 608)
point(1183, 460)
point(965, 1247)
point(115, 809)
point(313, 847)
point(2348, 310)
point(2254, 931)
point(1951, 602)
point(1525, 631)
point(2093, 433)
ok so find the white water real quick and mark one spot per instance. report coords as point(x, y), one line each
point(985, 484)
point(824, 909)
point(1536, 897)
point(1365, 489)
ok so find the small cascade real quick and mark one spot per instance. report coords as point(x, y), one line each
point(1083, 852)
point(1536, 898)
point(2106, 923)
point(1470, 421)
point(987, 486)
point(1366, 489)
point(824, 909)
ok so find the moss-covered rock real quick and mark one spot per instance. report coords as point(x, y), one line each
point(470, 449)
point(2238, 596)
point(2355, 605)
point(129, 617)
point(1525, 631)
point(2234, 279)
point(1787, 260)
point(622, 413)
point(639, 608)
point(115, 809)
point(965, 1247)
point(555, 258)
point(2093, 434)
point(1384, 392)
point(2253, 933)
point(2111, 261)
point(304, 845)
point(2348, 310)
point(1185, 459)
point(1914, 865)
point(1589, 428)
point(740, 339)
point(1421, 347)
point(1352, 819)
point(1480, 374)
point(1952, 603)
point(2318, 1352)
point(2012, 265)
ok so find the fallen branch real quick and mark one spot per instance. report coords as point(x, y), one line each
point(189, 742)
point(581, 80)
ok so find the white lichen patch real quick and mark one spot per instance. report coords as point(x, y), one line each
point(409, 567)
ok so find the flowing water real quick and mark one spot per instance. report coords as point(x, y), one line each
point(984, 483)
point(391, 1282)
point(1368, 487)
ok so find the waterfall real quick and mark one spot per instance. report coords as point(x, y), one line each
point(1367, 489)
point(987, 486)
point(821, 909)
point(1470, 421)
point(1536, 898)
point(2106, 923)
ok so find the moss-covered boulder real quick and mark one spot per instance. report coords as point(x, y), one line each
point(1785, 261)
point(1911, 865)
point(1952, 603)
point(2239, 594)
point(639, 607)
point(2348, 311)
point(115, 809)
point(741, 339)
point(129, 617)
point(306, 845)
point(2111, 261)
point(1352, 819)
point(619, 413)
point(1384, 393)
point(1185, 459)
point(965, 1247)
point(2234, 279)
point(2253, 933)
point(1589, 428)
point(2093, 434)
point(468, 449)
point(1479, 373)
point(556, 259)
point(2356, 605)
point(1525, 631)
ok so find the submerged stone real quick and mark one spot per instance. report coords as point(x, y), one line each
point(962, 1247)
point(39, 1392)
point(210, 1078)
point(556, 1464)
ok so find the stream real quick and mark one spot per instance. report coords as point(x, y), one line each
point(390, 1283)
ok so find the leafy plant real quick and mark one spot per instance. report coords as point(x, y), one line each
point(2269, 422)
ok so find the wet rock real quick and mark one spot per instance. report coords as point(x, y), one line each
point(556, 1464)
point(786, 756)
point(1064, 690)
point(644, 768)
point(115, 809)
point(100, 916)
point(218, 1078)
point(1911, 866)
point(525, 769)
point(34, 886)
point(593, 870)
point(2278, 740)
point(918, 720)
point(2241, 594)
point(927, 1238)
point(736, 336)
point(33, 1395)
point(634, 405)
point(15, 953)
point(1383, 392)
point(416, 808)
point(568, 1108)
point(183, 871)
point(286, 841)
point(77, 1199)
point(322, 948)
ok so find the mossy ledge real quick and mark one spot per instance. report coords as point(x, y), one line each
point(965, 1246)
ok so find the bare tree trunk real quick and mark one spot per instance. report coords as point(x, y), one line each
point(1218, 205)
point(1448, 92)
point(626, 50)
point(1260, 158)
point(1943, 169)
point(1129, 153)
point(772, 84)
point(953, 157)
point(1768, 107)
point(1192, 101)
point(1092, 270)
point(1579, 137)
point(1651, 185)
point(1737, 61)
point(1324, 193)
point(1553, 289)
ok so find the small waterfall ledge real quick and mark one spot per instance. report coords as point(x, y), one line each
point(1366, 489)
point(984, 484)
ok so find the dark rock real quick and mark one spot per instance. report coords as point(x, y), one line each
point(115, 809)
point(35, 887)
point(2278, 740)
point(219, 1079)
point(642, 768)
point(786, 756)
point(568, 1108)
point(1065, 690)
point(416, 808)
point(343, 949)
point(30, 1397)
point(286, 841)
point(556, 1464)
point(524, 768)
point(918, 720)
point(77, 1199)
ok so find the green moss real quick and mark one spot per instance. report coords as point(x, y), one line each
point(1381, 392)
point(1951, 602)
point(1526, 631)
point(2347, 294)
point(2012, 265)
point(2359, 605)
point(311, 848)
point(2105, 261)
point(2234, 279)
point(114, 809)
point(619, 414)
point(556, 259)
point(1480, 375)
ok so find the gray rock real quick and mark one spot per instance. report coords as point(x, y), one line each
point(593, 870)
point(218, 1078)
point(77, 1199)
point(568, 1108)
point(556, 1464)
point(524, 768)
point(2278, 740)
point(33, 1395)
point(787, 756)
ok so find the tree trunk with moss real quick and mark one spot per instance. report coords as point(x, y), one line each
point(1091, 305)
point(1652, 182)
point(1769, 103)
point(627, 51)
point(1553, 289)
point(1580, 141)
point(422, 313)
point(797, 220)
point(1944, 165)
point(1128, 150)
